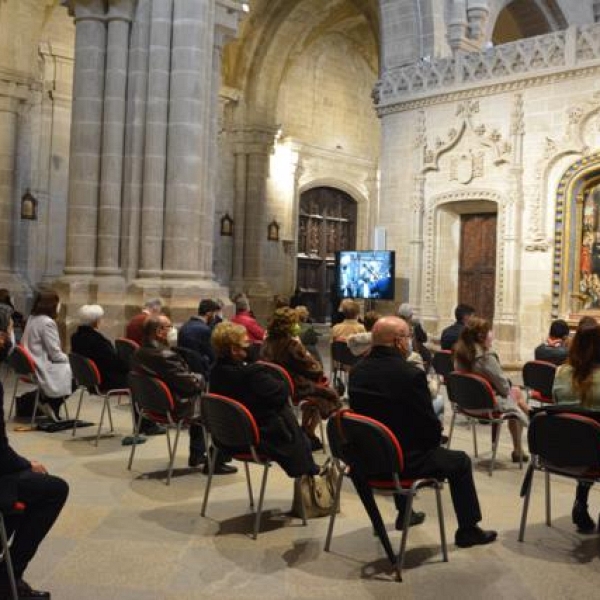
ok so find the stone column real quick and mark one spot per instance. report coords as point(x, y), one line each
point(155, 151)
point(189, 106)
point(113, 136)
point(86, 137)
point(239, 218)
point(8, 137)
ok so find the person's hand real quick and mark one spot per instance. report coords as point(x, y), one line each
point(37, 467)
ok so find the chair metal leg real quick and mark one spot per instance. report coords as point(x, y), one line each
point(261, 497)
point(249, 484)
point(495, 448)
point(297, 492)
point(105, 398)
point(474, 430)
point(14, 397)
point(406, 527)
point(451, 427)
point(78, 411)
point(136, 433)
point(36, 403)
point(110, 419)
point(8, 559)
point(334, 511)
point(529, 479)
point(212, 461)
point(174, 452)
point(440, 511)
point(548, 515)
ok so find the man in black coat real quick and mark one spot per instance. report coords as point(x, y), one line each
point(43, 496)
point(450, 335)
point(403, 403)
point(155, 358)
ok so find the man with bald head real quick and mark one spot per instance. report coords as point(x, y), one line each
point(384, 386)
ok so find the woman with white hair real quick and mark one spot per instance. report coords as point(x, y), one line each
point(89, 342)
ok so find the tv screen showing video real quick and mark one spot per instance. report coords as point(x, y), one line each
point(365, 274)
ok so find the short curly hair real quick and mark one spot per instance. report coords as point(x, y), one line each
point(227, 335)
point(281, 323)
point(349, 308)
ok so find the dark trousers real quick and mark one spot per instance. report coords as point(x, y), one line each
point(453, 466)
point(44, 497)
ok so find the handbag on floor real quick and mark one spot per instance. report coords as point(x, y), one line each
point(316, 492)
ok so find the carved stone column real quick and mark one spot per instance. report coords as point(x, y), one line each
point(113, 135)
point(86, 136)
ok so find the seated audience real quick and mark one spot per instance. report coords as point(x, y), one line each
point(42, 341)
point(135, 328)
point(462, 314)
point(473, 353)
point(419, 335)
point(556, 347)
point(265, 395)
point(195, 335)
point(89, 342)
point(578, 382)
point(155, 358)
point(244, 317)
point(43, 495)
point(350, 309)
point(308, 334)
point(360, 343)
point(283, 347)
point(406, 409)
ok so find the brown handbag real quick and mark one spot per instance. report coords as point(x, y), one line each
point(316, 492)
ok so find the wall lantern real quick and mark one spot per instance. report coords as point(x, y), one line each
point(29, 206)
point(226, 225)
point(273, 231)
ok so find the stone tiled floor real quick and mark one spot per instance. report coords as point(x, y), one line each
point(124, 535)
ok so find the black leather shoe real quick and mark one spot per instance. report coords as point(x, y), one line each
point(25, 592)
point(153, 429)
point(581, 518)
point(195, 459)
point(221, 469)
point(465, 537)
point(416, 518)
point(515, 457)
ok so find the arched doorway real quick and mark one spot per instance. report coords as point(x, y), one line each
point(326, 224)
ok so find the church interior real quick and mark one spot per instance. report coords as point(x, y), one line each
point(188, 149)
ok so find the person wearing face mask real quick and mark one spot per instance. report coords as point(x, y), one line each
point(283, 346)
point(473, 353)
point(395, 393)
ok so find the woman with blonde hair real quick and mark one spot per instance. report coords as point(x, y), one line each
point(473, 353)
point(283, 346)
point(578, 382)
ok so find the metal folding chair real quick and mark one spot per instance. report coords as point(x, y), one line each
point(538, 379)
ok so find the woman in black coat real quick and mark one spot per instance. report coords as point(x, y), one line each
point(265, 394)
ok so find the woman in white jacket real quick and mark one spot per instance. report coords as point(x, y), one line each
point(42, 341)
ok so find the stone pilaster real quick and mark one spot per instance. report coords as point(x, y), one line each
point(86, 136)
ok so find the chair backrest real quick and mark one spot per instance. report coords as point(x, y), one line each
point(538, 375)
point(151, 394)
point(126, 348)
point(470, 392)
point(565, 439)
point(281, 373)
point(365, 444)
point(85, 372)
point(21, 361)
point(442, 363)
point(340, 353)
point(230, 424)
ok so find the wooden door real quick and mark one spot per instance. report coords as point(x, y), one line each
point(477, 268)
point(327, 224)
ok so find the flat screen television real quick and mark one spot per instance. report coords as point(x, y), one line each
point(365, 274)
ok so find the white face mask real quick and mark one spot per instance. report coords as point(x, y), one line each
point(410, 346)
point(172, 336)
point(58, 307)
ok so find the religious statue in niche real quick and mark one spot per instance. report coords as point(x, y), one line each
point(589, 252)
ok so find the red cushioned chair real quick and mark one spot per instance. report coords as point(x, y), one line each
point(474, 397)
point(23, 364)
point(561, 443)
point(233, 430)
point(538, 378)
point(125, 349)
point(442, 364)
point(87, 378)
point(17, 508)
point(371, 448)
point(155, 402)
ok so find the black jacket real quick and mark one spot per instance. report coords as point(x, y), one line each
point(405, 405)
point(89, 342)
point(554, 354)
point(265, 396)
point(450, 335)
